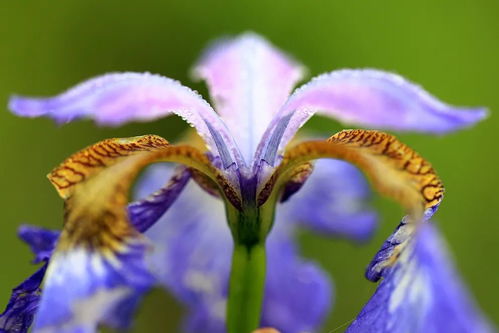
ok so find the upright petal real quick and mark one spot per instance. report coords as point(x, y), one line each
point(115, 99)
point(249, 80)
point(421, 293)
point(368, 98)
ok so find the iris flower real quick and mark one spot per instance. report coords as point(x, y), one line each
point(220, 234)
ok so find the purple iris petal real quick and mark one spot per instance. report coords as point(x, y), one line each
point(201, 319)
point(249, 80)
point(421, 293)
point(26, 297)
point(402, 235)
point(122, 314)
point(115, 99)
point(41, 241)
point(192, 247)
point(146, 212)
point(86, 286)
point(369, 98)
point(23, 303)
point(333, 200)
point(193, 260)
point(297, 293)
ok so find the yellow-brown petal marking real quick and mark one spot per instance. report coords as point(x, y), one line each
point(95, 183)
point(395, 169)
point(89, 161)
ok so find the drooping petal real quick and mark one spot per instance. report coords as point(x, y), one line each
point(100, 259)
point(23, 303)
point(396, 170)
point(421, 293)
point(413, 296)
point(115, 99)
point(333, 200)
point(143, 214)
point(193, 260)
point(249, 80)
point(368, 98)
point(82, 287)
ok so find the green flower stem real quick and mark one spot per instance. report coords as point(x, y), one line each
point(247, 281)
point(249, 226)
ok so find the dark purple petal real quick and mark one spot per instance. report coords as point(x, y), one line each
point(41, 241)
point(421, 293)
point(115, 99)
point(367, 98)
point(249, 80)
point(333, 200)
point(23, 303)
point(144, 213)
point(25, 298)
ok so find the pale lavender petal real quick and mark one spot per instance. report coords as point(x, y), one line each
point(334, 201)
point(192, 258)
point(367, 98)
point(421, 293)
point(115, 99)
point(249, 80)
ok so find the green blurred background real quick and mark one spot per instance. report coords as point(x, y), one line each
point(450, 47)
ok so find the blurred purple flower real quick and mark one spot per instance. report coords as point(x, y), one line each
point(250, 82)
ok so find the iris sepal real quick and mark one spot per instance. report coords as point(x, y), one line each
point(99, 247)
